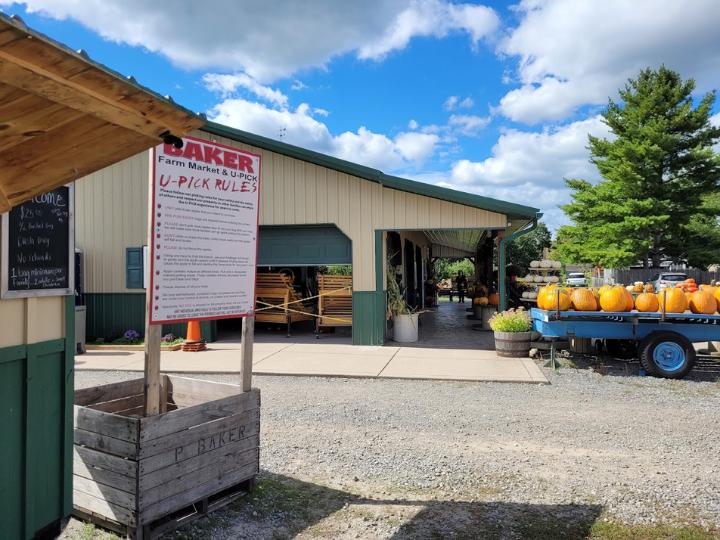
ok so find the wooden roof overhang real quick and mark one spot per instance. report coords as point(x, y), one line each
point(63, 116)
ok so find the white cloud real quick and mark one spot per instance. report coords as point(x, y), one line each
point(576, 53)
point(543, 158)
point(412, 124)
point(468, 125)
point(227, 84)
point(432, 18)
point(453, 102)
point(466, 103)
point(298, 127)
point(416, 147)
point(269, 40)
point(528, 168)
point(450, 103)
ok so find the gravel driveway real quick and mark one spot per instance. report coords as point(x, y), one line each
point(361, 458)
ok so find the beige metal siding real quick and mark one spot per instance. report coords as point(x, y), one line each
point(31, 320)
point(112, 211)
point(111, 215)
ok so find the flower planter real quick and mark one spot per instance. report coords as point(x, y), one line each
point(512, 344)
point(405, 328)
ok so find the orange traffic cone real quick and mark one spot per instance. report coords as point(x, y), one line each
point(194, 341)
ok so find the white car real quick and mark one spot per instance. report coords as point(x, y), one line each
point(576, 279)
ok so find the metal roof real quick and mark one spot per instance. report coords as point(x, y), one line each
point(514, 212)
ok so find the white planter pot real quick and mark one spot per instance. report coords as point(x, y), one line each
point(405, 328)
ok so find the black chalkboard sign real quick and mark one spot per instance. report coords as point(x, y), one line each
point(38, 247)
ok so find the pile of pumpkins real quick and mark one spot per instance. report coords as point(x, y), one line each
point(482, 298)
point(704, 300)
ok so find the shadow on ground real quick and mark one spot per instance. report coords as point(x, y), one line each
point(285, 507)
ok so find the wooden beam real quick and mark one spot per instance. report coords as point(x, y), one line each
point(42, 164)
point(38, 81)
point(246, 353)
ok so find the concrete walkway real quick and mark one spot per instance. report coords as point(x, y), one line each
point(448, 349)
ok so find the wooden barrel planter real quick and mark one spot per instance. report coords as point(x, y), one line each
point(512, 344)
point(142, 476)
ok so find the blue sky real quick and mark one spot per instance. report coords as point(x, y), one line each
point(490, 98)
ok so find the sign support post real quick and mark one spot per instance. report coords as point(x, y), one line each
point(246, 353)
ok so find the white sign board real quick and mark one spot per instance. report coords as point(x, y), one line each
point(203, 254)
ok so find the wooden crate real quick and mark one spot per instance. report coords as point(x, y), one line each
point(142, 476)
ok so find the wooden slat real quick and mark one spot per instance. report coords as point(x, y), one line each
point(93, 458)
point(24, 168)
point(24, 119)
point(93, 505)
point(190, 443)
point(221, 481)
point(184, 443)
point(165, 424)
point(171, 480)
point(104, 443)
point(105, 477)
point(202, 389)
point(118, 405)
point(111, 425)
point(108, 392)
point(112, 495)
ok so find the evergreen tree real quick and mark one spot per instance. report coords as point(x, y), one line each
point(657, 170)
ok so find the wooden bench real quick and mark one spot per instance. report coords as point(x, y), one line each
point(335, 302)
point(277, 302)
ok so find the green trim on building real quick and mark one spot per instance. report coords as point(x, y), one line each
point(368, 318)
point(36, 412)
point(69, 402)
point(512, 210)
point(120, 312)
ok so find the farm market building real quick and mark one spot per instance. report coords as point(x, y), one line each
point(315, 210)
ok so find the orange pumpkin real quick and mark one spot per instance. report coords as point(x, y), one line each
point(605, 288)
point(555, 299)
point(672, 300)
point(494, 299)
point(480, 301)
point(629, 300)
point(613, 299)
point(708, 288)
point(702, 302)
point(649, 288)
point(583, 300)
point(638, 287)
point(716, 294)
point(689, 280)
point(647, 303)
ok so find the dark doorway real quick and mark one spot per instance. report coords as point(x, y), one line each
point(409, 271)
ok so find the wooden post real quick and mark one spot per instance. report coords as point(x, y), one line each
point(246, 353)
point(153, 332)
point(153, 335)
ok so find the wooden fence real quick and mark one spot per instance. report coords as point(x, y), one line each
point(631, 275)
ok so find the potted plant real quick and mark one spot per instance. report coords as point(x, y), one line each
point(405, 318)
point(513, 331)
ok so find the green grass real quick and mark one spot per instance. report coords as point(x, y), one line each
point(613, 531)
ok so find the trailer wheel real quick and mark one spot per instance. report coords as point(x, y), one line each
point(621, 348)
point(667, 354)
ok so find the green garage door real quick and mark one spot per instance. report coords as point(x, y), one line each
point(303, 246)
